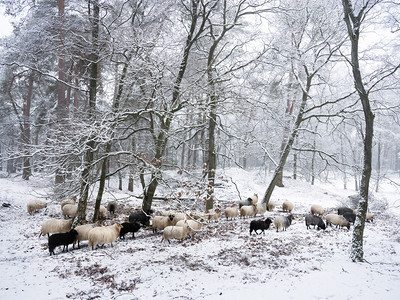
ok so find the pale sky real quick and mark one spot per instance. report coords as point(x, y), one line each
point(5, 25)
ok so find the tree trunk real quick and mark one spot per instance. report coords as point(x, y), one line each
point(343, 161)
point(212, 158)
point(295, 166)
point(353, 23)
point(26, 131)
point(88, 159)
point(161, 139)
point(289, 144)
point(313, 158)
point(130, 180)
point(61, 103)
point(101, 186)
point(378, 165)
point(288, 120)
point(149, 194)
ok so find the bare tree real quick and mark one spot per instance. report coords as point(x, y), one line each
point(85, 181)
point(61, 103)
point(306, 65)
point(175, 104)
point(23, 114)
point(354, 21)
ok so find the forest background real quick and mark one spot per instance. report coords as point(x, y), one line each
point(95, 89)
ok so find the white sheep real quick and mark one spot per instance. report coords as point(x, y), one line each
point(55, 226)
point(175, 232)
point(337, 220)
point(282, 222)
point(317, 209)
point(102, 211)
point(261, 208)
point(254, 199)
point(166, 213)
point(231, 212)
point(271, 205)
point(104, 235)
point(35, 205)
point(368, 216)
point(68, 201)
point(194, 226)
point(178, 216)
point(160, 222)
point(213, 214)
point(83, 233)
point(69, 210)
point(287, 206)
point(248, 211)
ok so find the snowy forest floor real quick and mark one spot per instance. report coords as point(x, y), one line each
point(221, 262)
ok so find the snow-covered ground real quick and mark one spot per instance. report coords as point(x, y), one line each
point(221, 262)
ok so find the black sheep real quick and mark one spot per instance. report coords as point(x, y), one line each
point(315, 220)
point(140, 216)
point(64, 239)
point(245, 202)
point(129, 227)
point(111, 206)
point(260, 225)
point(344, 210)
point(350, 217)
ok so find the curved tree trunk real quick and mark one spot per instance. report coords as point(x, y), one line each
point(289, 144)
point(353, 23)
point(161, 139)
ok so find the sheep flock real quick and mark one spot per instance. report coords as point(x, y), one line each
point(178, 225)
point(222, 248)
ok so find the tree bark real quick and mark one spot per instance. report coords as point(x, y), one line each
point(314, 153)
point(26, 131)
point(61, 103)
point(88, 159)
point(213, 98)
point(288, 119)
point(353, 24)
point(378, 165)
